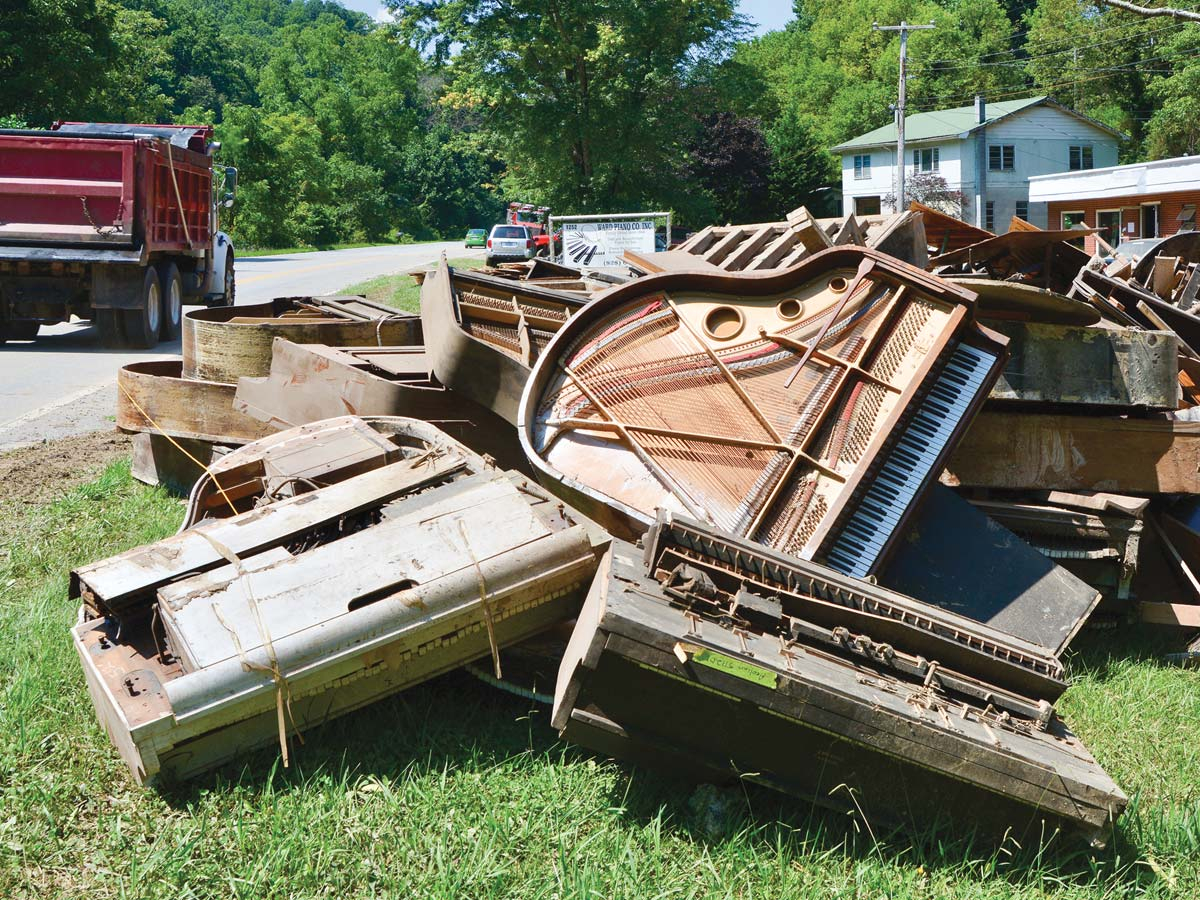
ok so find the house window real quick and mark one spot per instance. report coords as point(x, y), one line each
point(866, 206)
point(1001, 157)
point(1150, 221)
point(1081, 157)
point(1109, 223)
point(1022, 210)
point(862, 166)
point(989, 215)
point(1072, 220)
point(1187, 217)
point(925, 160)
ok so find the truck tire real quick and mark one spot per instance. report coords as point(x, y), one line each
point(108, 327)
point(141, 325)
point(171, 287)
point(230, 281)
point(19, 331)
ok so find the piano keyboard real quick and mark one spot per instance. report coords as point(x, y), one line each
point(907, 466)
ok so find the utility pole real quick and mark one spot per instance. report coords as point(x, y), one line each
point(904, 28)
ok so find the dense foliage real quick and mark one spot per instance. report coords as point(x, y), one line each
point(349, 129)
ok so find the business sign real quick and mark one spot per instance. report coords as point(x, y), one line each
point(601, 244)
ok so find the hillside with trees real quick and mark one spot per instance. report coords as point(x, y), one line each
point(347, 129)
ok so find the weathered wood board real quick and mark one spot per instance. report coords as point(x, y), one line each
point(218, 349)
point(338, 598)
point(308, 383)
point(643, 680)
point(155, 397)
point(1093, 453)
point(1110, 367)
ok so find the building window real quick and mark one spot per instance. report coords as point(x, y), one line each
point(1001, 157)
point(1150, 221)
point(866, 206)
point(1081, 157)
point(1022, 211)
point(1071, 220)
point(989, 215)
point(1187, 217)
point(862, 166)
point(1109, 223)
point(925, 160)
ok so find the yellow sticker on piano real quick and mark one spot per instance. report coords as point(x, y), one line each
point(731, 665)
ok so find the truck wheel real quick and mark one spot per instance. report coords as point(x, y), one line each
point(142, 325)
point(171, 285)
point(108, 327)
point(19, 331)
point(230, 284)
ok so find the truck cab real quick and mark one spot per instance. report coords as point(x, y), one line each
point(114, 223)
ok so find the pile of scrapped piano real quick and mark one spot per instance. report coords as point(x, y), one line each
point(819, 504)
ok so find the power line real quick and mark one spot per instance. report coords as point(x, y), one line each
point(1066, 42)
point(1020, 62)
point(1100, 72)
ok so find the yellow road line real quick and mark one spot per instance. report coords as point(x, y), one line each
point(329, 265)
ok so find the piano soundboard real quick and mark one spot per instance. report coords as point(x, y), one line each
point(805, 410)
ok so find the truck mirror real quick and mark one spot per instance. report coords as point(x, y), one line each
point(228, 203)
point(230, 182)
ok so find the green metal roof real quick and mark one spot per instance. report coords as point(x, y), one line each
point(943, 123)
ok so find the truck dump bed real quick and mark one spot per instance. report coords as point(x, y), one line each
point(110, 185)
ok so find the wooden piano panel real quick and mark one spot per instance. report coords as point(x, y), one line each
point(701, 395)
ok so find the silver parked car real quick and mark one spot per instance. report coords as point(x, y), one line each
point(509, 242)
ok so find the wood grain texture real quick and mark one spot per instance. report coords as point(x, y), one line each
point(1094, 453)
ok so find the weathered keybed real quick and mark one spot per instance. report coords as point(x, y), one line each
point(720, 659)
point(805, 410)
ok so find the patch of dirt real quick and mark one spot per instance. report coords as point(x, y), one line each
point(42, 472)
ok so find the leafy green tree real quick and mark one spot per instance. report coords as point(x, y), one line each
point(51, 53)
point(1174, 127)
point(801, 165)
point(1088, 57)
point(730, 163)
point(133, 88)
point(450, 184)
point(832, 66)
point(585, 101)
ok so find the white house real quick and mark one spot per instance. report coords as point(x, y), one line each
point(988, 151)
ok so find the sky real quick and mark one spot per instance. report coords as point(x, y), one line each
point(764, 15)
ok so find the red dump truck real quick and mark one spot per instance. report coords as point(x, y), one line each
point(115, 223)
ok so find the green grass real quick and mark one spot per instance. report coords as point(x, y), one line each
point(400, 290)
point(452, 789)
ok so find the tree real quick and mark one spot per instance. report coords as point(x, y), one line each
point(133, 87)
point(51, 53)
point(931, 189)
point(450, 184)
point(586, 100)
point(800, 163)
point(730, 162)
point(1070, 57)
point(1174, 127)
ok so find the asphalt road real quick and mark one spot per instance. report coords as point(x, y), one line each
point(64, 383)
